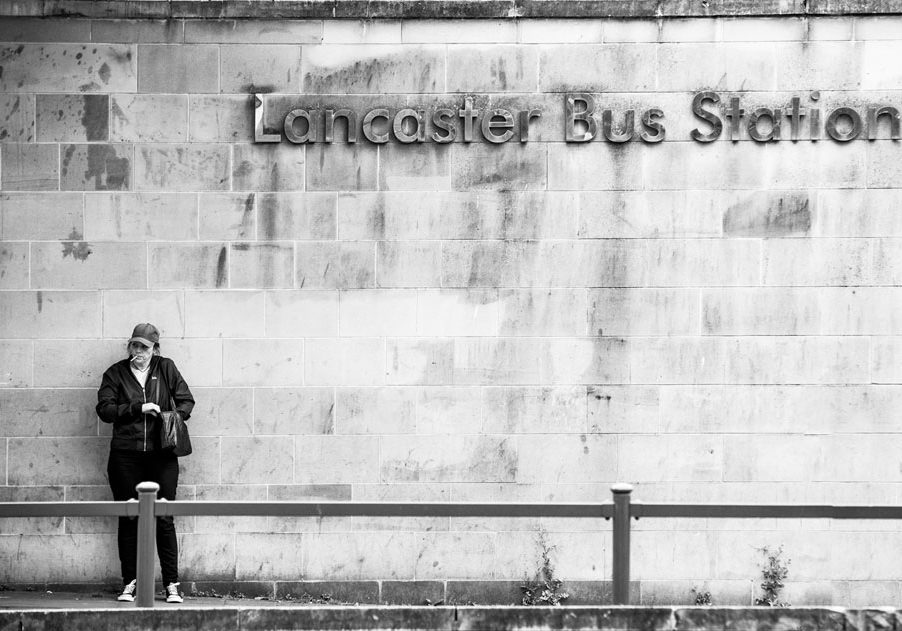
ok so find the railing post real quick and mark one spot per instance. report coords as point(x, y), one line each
point(621, 565)
point(147, 536)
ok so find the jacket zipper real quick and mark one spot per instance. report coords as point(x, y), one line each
point(144, 394)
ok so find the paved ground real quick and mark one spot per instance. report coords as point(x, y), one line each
point(70, 600)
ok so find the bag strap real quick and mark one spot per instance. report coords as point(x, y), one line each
point(156, 396)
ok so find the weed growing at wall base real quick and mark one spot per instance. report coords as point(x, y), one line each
point(774, 571)
point(545, 588)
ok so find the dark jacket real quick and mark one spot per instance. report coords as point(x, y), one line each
point(120, 398)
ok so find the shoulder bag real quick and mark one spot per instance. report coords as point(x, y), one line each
point(173, 431)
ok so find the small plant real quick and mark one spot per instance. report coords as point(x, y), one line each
point(774, 571)
point(545, 588)
point(702, 598)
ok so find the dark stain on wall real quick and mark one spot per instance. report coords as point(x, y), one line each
point(222, 268)
point(77, 249)
point(96, 116)
point(769, 215)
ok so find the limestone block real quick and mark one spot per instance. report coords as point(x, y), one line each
point(123, 309)
point(696, 66)
point(882, 172)
point(68, 68)
point(260, 67)
point(223, 313)
point(348, 556)
point(773, 458)
point(256, 460)
point(650, 214)
point(59, 558)
point(254, 31)
point(294, 411)
point(96, 167)
point(801, 311)
point(16, 360)
point(506, 68)
point(519, 167)
point(499, 361)
point(630, 31)
point(677, 555)
point(690, 30)
point(141, 216)
point(222, 525)
point(35, 461)
point(456, 555)
point(561, 459)
point(857, 213)
point(268, 167)
point(769, 214)
point(335, 265)
point(178, 69)
point(296, 216)
point(336, 459)
point(830, 28)
point(229, 216)
point(871, 28)
point(83, 367)
point(36, 216)
point(362, 32)
point(408, 264)
point(81, 265)
point(543, 312)
point(13, 265)
point(534, 410)
point(677, 360)
point(342, 167)
point(443, 458)
point(201, 265)
point(456, 312)
point(816, 262)
point(597, 166)
point(194, 167)
point(884, 362)
point(678, 458)
point(263, 265)
point(602, 67)
point(488, 263)
point(283, 558)
point(257, 362)
point(644, 311)
point(419, 362)
point(840, 360)
point(448, 410)
point(301, 313)
point(387, 410)
point(149, 118)
point(703, 262)
point(203, 467)
point(633, 409)
point(44, 30)
point(458, 31)
point(874, 73)
point(414, 167)
point(372, 69)
point(377, 312)
point(213, 552)
point(222, 412)
point(37, 412)
point(806, 66)
point(886, 253)
point(72, 117)
point(139, 31)
point(560, 31)
point(49, 314)
point(17, 112)
point(221, 118)
point(199, 361)
point(28, 167)
point(349, 361)
point(743, 29)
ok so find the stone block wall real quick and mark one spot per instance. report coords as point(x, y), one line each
point(530, 321)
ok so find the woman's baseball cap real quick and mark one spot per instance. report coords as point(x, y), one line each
point(146, 333)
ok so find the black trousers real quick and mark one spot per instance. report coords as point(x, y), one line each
point(125, 470)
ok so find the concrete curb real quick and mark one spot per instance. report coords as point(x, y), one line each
point(250, 618)
point(439, 9)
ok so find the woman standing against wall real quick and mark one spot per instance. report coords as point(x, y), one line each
point(132, 394)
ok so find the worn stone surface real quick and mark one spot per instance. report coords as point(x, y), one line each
point(41, 215)
point(68, 68)
point(29, 167)
point(149, 118)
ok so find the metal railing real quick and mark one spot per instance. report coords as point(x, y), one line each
point(621, 510)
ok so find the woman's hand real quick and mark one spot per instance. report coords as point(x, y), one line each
point(150, 408)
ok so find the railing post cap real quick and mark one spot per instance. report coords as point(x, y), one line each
point(147, 487)
point(621, 487)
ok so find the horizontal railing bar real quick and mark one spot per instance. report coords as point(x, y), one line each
point(761, 511)
point(380, 509)
point(69, 509)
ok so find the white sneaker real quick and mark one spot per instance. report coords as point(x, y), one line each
point(172, 593)
point(128, 592)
